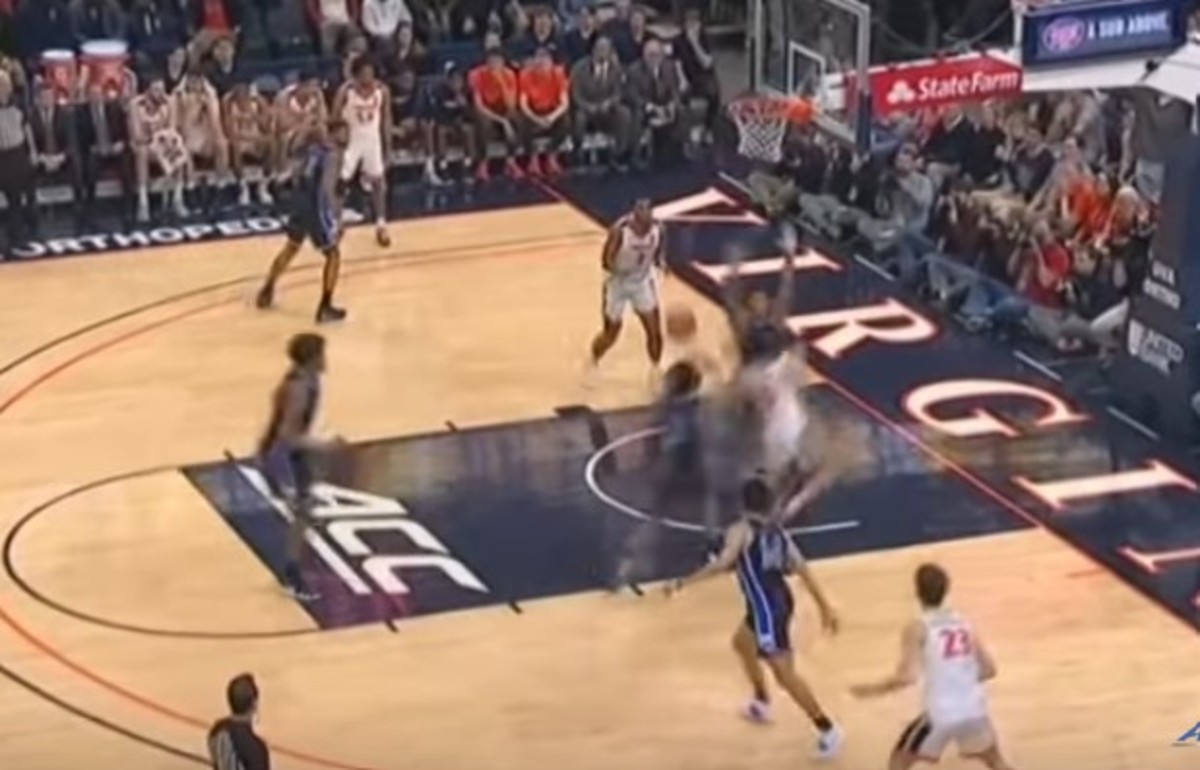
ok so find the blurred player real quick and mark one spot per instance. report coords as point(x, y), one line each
point(155, 138)
point(632, 259)
point(450, 110)
point(365, 105)
point(249, 125)
point(315, 216)
point(763, 555)
point(299, 113)
point(198, 110)
point(771, 375)
point(288, 445)
point(945, 648)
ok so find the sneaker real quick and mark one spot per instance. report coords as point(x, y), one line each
point(330, 314)
point(301, 593)
point(181, 209)
point(265, 298)
point(244, 196)
point(432, 177)
point(381, 236)
point(264, 195)
point(534, 167)
point(512, 170)
point(829, 743)
point(553, 168)
point(758, 712)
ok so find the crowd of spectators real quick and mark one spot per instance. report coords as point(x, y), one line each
point(1030, 217)
point(542, 86)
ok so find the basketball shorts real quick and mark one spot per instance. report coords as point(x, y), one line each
point(168, 150)
point(365, 153)
point(289, 474)
point(320, 228)
point(926, 740)
point(769, 617)
point(639, 293)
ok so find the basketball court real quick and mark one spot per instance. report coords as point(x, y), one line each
point(465, 558)
point(467, 623)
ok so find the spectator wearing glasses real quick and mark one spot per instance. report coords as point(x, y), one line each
point(544, 100)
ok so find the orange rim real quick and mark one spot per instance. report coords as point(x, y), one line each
point(791, 108)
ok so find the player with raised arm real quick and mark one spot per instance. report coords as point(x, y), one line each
point(763, 556)
point(943, 647)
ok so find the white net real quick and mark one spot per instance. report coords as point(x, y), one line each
point(762, 124)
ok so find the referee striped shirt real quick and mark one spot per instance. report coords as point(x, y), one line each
point(233, 745)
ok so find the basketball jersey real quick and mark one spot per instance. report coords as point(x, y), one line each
point(634, 259)
point(300, 109)
point(311, 396)
point(362, 112)
point(953, 692)
point(763, 567)
point(246, 119)
point(153, 117)
point(311, 197)
point(194, 106)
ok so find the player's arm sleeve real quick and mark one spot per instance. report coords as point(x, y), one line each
point(987, 664)
point(610, 249)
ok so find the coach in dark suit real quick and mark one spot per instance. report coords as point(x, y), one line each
point(597, 89)
point(55, 141)
point(104, 134)
point(654, 87)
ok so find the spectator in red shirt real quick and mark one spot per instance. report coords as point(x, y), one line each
point(1046, 266)
point(494, 90)
point(543, 99)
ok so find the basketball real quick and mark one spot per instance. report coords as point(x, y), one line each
point(681, 323)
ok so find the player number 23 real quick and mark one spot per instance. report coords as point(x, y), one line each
point(956, 643)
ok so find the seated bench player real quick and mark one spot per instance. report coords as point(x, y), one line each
point(544, 101)
point(494, 94)
point(410, 131)
point(249, 128)
point(198, 111)
point(449, 106)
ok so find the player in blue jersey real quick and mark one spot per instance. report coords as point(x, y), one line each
point(287, 448)
point(315, 216)
point(763, 555)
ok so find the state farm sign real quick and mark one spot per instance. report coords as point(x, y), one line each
point(940, 83)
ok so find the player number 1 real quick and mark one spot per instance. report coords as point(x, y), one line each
point(956, 643)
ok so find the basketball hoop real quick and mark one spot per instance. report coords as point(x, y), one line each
point(763, 121)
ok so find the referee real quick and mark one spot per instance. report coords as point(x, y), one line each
point(232, 743)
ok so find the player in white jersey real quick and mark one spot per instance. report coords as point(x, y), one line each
point(632, 260)
point(944, 648)
point(366, 106)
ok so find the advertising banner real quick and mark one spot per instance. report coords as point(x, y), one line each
point(1074, 32)
point(938, 83)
